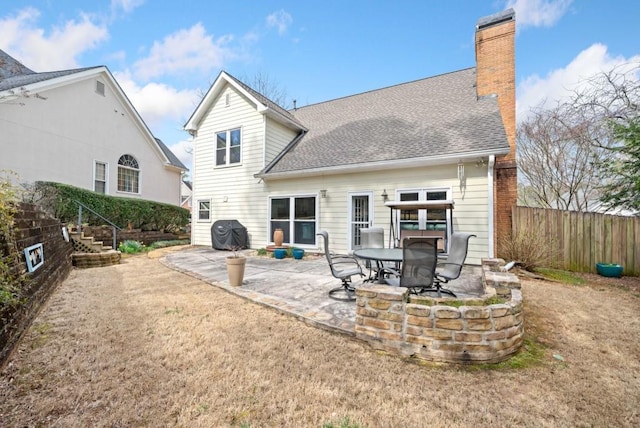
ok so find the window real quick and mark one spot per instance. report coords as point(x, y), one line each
point(100, 177)
point(100, 88)
point(128, 174)
point(296, 216)
point(204, 210)
point(228, 147)
point(435, 222)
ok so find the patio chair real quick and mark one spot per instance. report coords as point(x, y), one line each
point(343, 267)
point(450, 269)
point(419, 258)
point(372, 237)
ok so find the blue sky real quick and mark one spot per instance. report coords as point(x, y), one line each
point(165, 54)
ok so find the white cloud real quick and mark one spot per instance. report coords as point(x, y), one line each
point(538, 13)
point(559, 84)
point(185, 51)
point(158, 102)
point(23, 39)
point(280, 20)
point(126, 5)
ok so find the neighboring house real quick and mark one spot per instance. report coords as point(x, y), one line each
point(185, 195)
point(77, 127)
point(331, 166)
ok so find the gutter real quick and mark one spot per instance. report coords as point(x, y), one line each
point(376, 166)
point(490, 198)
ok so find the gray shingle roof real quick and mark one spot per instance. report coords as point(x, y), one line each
point(15, 75)
point(173, 159)
point(433, 117)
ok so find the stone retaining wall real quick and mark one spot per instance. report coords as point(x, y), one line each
point(89, 260)
point(447, 329)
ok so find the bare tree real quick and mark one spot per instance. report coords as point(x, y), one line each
point(265, 85)
point(564, 152)
point(558, 160)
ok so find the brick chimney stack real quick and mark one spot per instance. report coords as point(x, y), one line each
point(496, 75)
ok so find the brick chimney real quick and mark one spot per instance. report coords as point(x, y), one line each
point(496, 75)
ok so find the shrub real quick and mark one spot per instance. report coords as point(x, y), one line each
point(59, 200)
point(10, 279)
point(529, 250)
point(130, 247)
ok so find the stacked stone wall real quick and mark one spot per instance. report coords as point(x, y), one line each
point(445, 329)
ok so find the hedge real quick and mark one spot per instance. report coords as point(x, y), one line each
point(60, 200)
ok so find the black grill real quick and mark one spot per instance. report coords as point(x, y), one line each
point(228, 234)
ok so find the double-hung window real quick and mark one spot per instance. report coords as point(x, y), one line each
point(204, 210)
point(228, 147)
point(128, 174)
point(296, 216)
point(100, 177)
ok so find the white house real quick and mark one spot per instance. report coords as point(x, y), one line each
point(77, 127)
point(333, 165)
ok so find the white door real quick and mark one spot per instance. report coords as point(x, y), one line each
point(360, 215)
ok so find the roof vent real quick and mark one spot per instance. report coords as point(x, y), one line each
point(100, 87)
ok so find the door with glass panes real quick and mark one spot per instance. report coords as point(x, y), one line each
point(360, 215)
point(425, 222)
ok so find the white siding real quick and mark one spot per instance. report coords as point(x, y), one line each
point(59, 138)
point(278, 136)
point(469, 215)
point(233, 191)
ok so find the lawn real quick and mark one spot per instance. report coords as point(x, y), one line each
point(141, 345)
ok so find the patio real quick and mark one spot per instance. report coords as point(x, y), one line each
point(295, 287)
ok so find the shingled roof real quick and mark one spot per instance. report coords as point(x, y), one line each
point(437, 117)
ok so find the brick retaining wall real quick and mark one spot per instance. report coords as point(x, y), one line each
point(32, 226)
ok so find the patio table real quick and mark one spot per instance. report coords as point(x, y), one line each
point(380, 255)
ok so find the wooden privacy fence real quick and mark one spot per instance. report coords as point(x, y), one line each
point(584, 239)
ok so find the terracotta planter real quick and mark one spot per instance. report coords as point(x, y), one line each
point(235, 270)
point(278, 237)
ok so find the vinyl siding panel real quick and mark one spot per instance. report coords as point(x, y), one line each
point(232, 189)
point(278, 136)
point(469, 215)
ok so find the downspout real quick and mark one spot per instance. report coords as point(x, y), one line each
point(490, 197)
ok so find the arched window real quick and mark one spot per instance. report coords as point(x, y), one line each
point(128, 174)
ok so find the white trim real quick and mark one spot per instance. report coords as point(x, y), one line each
point(291, 220)
point(95, 72)
point(381, 165)
point(490, 178)
point(350, 195)
point(197, 209)
point(106, 175)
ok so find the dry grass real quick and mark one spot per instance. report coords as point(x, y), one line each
point(141, 345)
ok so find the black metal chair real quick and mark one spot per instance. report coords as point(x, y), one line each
point(343, 267)
point(419, 258)
point(450, 269)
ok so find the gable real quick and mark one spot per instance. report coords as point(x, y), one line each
point(261, 104)
point(18, 85)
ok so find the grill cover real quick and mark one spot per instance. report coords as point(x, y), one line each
point(228, 234)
